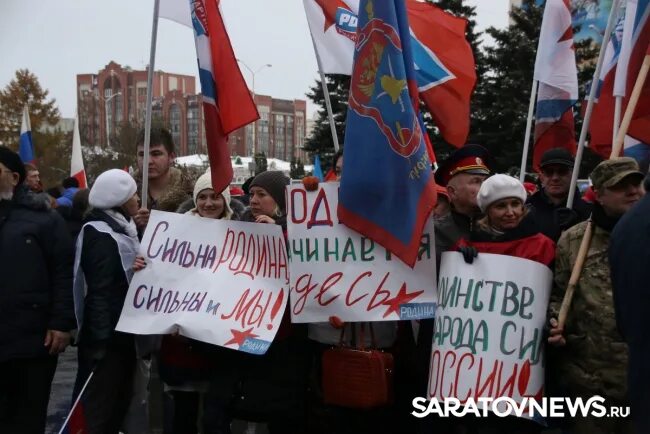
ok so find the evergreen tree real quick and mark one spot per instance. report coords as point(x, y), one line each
point(502, 97)
point(320, 141)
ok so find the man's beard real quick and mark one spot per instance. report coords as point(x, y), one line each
point(6, 195)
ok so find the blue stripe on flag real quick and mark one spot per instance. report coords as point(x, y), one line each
point(26, 149)
point(553, 108)
point(207, 84)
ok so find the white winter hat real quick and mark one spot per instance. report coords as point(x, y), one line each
point(204, 182)
point(499, 187)
point(111, 189)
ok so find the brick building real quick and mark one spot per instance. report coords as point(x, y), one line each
point(279, 133)
point(116, 94)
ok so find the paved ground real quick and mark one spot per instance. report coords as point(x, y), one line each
point(61, 395)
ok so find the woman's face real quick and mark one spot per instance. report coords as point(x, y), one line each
point(210, 204)
point(131, 206)
point(506, 213)
point(261, 202)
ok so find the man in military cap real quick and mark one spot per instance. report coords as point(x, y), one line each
point(462, 173)
point(593, 359)
point(548, 205)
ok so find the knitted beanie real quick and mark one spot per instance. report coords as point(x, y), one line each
point(203, 183)
point(112, 189)
point(12, 161)
point(499, 187)
point(274, 182)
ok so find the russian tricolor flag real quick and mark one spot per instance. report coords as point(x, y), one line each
point(556, 72)
point(227, 103)
point(26, 148)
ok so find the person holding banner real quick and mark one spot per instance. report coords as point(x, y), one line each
point(594, 356)
point(267, 388)
point(184, 364)
point(505, 229)
point(168, 186)
point(105, 253)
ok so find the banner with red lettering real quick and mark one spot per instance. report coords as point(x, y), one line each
point(488, 337)
point(336, 271)
point(217, 281)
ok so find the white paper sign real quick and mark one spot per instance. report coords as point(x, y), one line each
point(217, 281)
point(488, 339)
point(336, 271)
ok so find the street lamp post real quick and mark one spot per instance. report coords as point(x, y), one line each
point(253, 72)
point(106, 100)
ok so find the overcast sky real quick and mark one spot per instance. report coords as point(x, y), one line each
point(57, 39)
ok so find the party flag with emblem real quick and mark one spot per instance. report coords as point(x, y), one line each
point(26, 147)
point(556, 72)
point(387, 191)
point(444, 67)
point(333, 26)
point(227, 103)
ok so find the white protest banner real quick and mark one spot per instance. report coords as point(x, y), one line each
point(488, 339)
point(217, 281)
point(336, 271)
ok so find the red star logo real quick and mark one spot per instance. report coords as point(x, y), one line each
point(401, 298)
point(239, 337)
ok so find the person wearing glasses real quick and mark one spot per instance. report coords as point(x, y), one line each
point(548, 205)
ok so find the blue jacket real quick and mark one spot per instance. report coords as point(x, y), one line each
point(629, 258)
point(67, 196)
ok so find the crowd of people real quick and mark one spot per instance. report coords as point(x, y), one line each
point(67, 257)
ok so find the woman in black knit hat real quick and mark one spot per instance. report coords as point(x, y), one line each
point(270, 388)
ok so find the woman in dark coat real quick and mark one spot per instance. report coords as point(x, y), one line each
point(270, 388)
point(106, 249)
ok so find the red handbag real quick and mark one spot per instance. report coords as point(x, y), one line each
point(357, 377)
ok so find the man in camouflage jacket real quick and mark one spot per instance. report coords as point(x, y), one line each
point(591, 357)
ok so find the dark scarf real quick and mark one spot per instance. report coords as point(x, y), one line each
point(602, 220)
point(527, 228)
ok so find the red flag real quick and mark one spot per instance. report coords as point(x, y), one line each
point(446, 70)
point(227, 103)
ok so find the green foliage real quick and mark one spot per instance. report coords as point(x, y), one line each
point(238, 160)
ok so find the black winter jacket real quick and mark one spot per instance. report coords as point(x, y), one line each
point(36, 275)
point(553, 219)
point(107, 284)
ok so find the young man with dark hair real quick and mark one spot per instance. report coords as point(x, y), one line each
point(168, 187)
point(70, 188)
point(33, 178)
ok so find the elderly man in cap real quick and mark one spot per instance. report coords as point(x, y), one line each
point(462, 173)
point(36, 306)
point(548, 205)
point(593, 359)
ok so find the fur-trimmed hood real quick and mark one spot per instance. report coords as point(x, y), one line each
point(26, 198)
point(178, 191)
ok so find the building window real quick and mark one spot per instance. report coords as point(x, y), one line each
point(175, 123)
point(192, 130)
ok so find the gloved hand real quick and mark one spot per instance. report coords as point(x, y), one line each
point(565, 218)
point(469, 253)
point(336, 322)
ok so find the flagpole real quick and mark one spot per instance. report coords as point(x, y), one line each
point(76, 402)
point(326, 94)
point(618, 108)
point(590, 103)
point(147, 119)
point(529, 124)
point(631, 106)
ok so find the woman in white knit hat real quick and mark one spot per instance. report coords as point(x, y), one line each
point(106, 249)
point(184, 365)
point(505, 229)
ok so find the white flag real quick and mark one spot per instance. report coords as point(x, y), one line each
point(176, 10)
point(76, 162)
point(333, 26)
